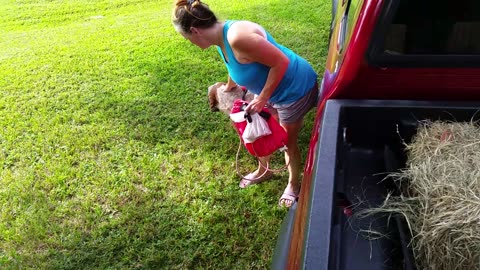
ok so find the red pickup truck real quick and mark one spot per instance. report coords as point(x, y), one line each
point(390, 65)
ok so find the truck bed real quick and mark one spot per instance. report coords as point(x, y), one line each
point(360, 142)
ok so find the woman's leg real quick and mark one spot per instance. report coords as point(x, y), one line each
point(293, 159)
point(259, 175)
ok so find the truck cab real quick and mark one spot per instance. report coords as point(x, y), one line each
point(390, 65)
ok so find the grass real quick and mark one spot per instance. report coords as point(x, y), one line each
point(109, 155)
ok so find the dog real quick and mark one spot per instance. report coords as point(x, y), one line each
point(221, 100)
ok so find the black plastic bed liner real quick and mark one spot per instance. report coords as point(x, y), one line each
point(360, 141)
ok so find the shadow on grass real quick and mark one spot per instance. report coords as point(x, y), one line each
point(205, 231)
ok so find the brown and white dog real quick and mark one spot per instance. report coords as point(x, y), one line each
point(221, 100)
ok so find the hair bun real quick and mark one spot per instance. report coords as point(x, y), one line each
point(191, 3)
point(192, 13)
point(195, 3)
point(181, 3)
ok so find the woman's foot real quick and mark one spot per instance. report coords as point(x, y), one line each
point(289, 196)
point(255, 178)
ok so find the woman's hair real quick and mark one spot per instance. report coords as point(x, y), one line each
point(192, 13)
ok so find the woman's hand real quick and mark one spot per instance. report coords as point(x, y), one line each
point(256, 105)
point(230, 86)
point(225, 87)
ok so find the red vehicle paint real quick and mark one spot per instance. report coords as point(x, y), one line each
point(353, 70)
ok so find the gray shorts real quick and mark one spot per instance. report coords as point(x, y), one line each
point(295, 111)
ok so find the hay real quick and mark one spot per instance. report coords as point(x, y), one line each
point(440, 199)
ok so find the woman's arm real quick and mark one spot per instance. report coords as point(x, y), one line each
point(230, 84)
point(249, 44)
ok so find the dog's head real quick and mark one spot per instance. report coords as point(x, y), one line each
point(221, 100)
point(212, 96)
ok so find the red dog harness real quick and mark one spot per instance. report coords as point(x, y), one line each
point(265, 145)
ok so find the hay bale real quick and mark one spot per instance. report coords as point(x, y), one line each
point(440, 199)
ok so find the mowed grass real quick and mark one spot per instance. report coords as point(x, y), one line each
point(109, 155)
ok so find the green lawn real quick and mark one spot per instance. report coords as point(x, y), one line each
point(109, 155)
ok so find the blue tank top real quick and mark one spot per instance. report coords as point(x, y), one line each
point(296, 83)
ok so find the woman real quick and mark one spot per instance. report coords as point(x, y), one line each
point(273, 72)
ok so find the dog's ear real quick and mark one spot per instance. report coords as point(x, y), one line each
point(212, 99)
